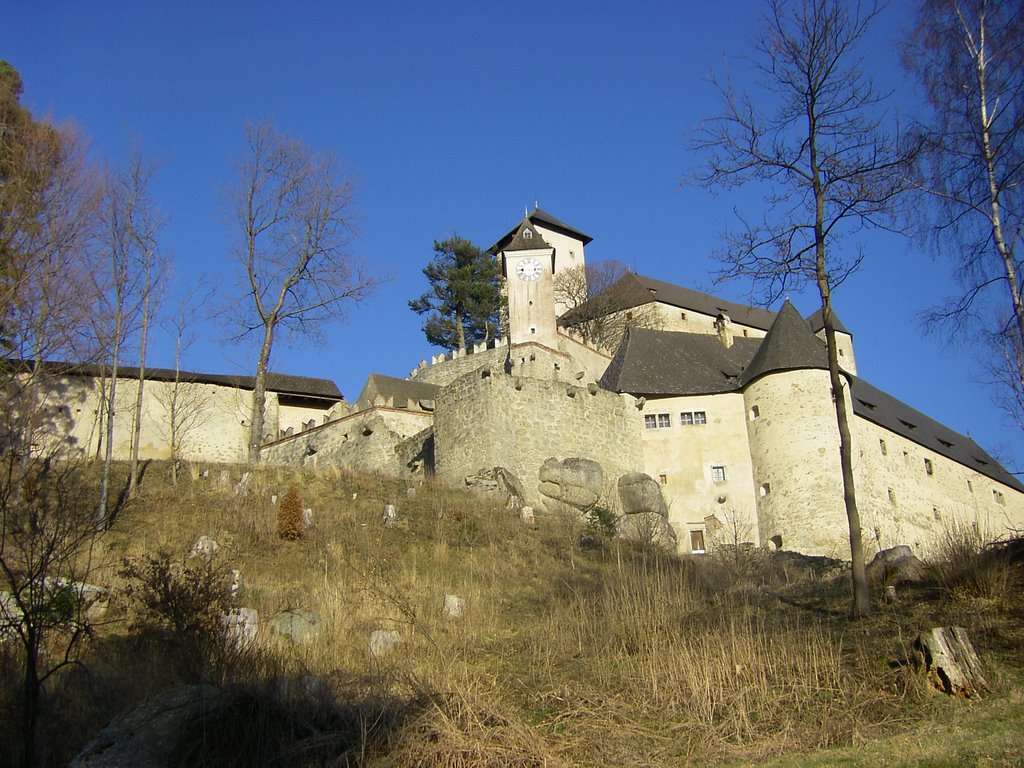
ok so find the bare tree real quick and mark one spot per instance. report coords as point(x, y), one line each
point(596, 309)
point(969, 57)
point(828, 169)
point(127, 231)
point(185, 402)
point(293, 210)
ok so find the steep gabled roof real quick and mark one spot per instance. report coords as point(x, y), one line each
point(526, 238)
point(545, 219)
point(673, 363)
point(399, 391)
point(632, 290)
point(886, 411)
point(789, 345)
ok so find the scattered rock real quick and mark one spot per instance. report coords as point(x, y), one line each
point(640, 493)
point(410, 492)
point(647, 528)
point(205, 547)
point(273, 500)
point(92, 600)
point(947, 657)
point(526, 515)
point(308, 522)
point(576, 482)
point(297, 625)
point(390, 516)
point(239, 627)
point(242, 489)
point(383, 641)
point(236, 586)
point(454, 607)
point(225, 477)
point(895, 566)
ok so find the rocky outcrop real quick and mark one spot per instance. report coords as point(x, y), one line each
point(640, 493)
point(894, 566)
point(576, 482)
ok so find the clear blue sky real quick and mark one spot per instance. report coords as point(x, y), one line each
point(455, 116)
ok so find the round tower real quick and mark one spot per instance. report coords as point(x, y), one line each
point(794, 440)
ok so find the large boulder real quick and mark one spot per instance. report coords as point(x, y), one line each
point(156, 734)
point(640, 493)
point(894, 566)
point(576, 482)
point(647, 528)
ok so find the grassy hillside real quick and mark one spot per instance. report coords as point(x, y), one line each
point(567, 653)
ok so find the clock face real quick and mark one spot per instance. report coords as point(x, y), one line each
point(528, 269)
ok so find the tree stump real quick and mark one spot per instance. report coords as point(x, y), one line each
point(950, 662)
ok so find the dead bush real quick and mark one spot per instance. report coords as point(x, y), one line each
point(289, 514)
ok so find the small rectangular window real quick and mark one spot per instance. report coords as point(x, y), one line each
point(718, 474)
point(892, 496)
point(686, 418)
point(754, 412)
point(682, 315)
point(928, 468)
point(663, 478)
point(700, 417)
point(881, 445)
point(650, 421)
point(970, 487)
point(998, 496)
point(664, 421)
point(766, 488)
point(697, 542)
point(689, 418)
point(657, 421)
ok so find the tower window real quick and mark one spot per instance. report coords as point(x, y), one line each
point(766, 488)
point(928, 468)
point(718, 474)
point(892, 496)
point(755, 412)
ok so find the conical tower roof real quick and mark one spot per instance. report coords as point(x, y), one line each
point(789, 346)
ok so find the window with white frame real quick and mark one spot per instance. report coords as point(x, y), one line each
point(718, 473)
point(657, 421)
point(689, 418)
point(697, 542)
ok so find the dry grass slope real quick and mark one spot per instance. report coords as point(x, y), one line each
point(604, 654)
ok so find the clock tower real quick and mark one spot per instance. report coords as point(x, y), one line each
point(528, 265)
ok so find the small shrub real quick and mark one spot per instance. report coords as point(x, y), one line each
point(967, 567)
point(600, 523)
point(185, 598)
point(289, 515)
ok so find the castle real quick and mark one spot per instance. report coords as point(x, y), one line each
point(727, 407)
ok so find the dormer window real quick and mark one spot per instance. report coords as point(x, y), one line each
point(527, 234)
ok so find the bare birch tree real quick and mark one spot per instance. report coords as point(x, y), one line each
point(827, 169)
point(969, 57)
point(293, 210)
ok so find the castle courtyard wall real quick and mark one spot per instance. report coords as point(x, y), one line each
point(489, 418)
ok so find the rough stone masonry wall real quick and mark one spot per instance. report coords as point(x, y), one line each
point(376, 440)
point(488, 419)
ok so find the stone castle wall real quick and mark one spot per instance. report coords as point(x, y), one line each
point(375, 440)
point(488, 418)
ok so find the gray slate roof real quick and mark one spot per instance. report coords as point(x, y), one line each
point(401, 391)
point(302, 386)
point(876, 406)
point(633, 290)
point(671, 363)
point(545, 219)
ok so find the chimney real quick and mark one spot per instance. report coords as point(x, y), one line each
point(722, 326)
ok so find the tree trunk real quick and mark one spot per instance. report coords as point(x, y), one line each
point(133, 470)
point(950, 661)
point(259, 394)
point(108, 457)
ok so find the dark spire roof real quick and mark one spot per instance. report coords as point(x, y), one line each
point(790, 345)
point(526, 238)
point(545, 219)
